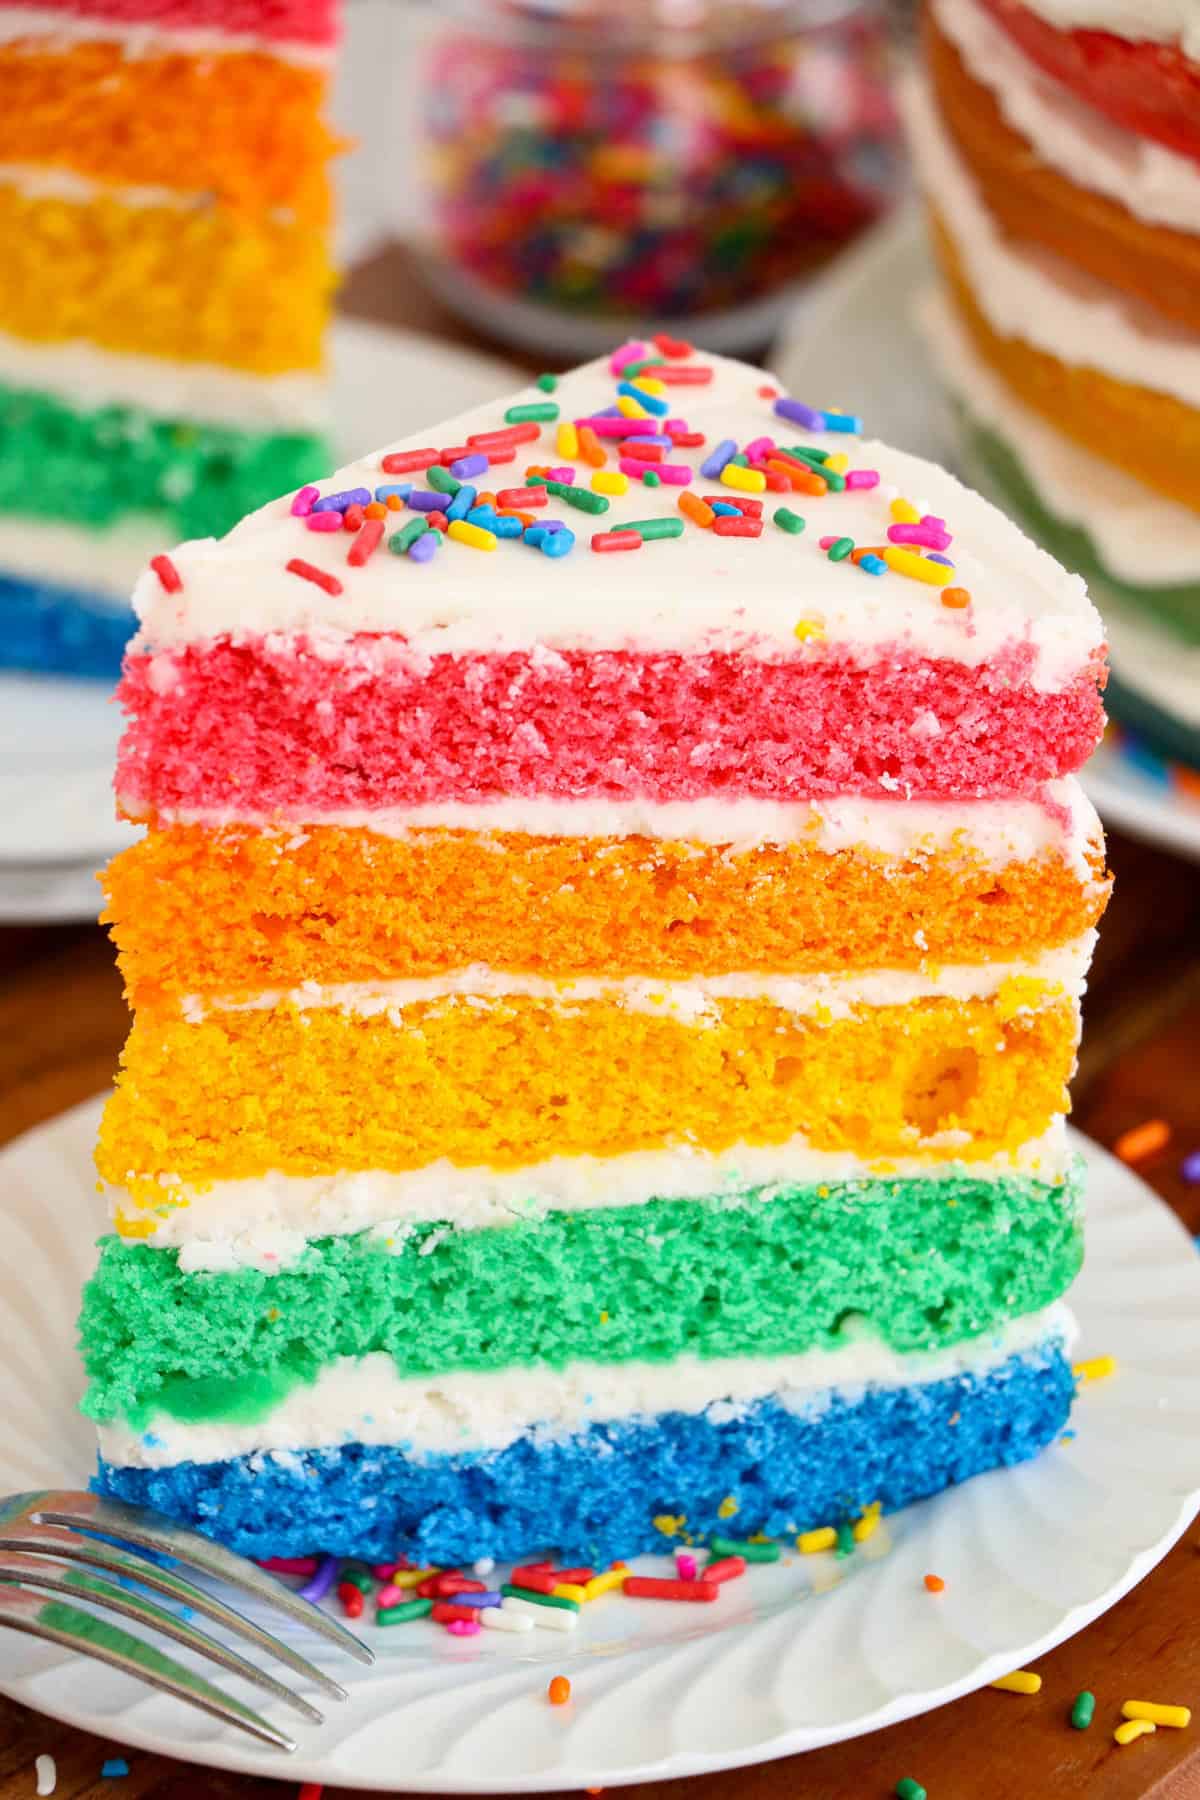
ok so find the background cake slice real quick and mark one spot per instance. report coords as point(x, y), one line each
point(603, 1008)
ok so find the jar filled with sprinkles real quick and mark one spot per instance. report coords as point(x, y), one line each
point(600, 165)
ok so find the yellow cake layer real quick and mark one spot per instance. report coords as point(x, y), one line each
point(237, 911)
point(199, 283)
point(517, 1080)
point(241, 125)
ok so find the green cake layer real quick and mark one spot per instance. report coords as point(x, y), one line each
point(767, 1272)
point(93, 468)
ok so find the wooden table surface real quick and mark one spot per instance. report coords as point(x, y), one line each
point(62, 1021)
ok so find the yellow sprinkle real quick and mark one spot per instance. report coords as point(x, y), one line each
point(629, 408)
point(839, 463)
point(1021, 1681)
point(904, 512)
point(1095, 1368)
point(869, 1523)
point(566, 441)
point(649, 384)
point(604, 1584)
point(570, 1590)
point(727, 1507)
point(475, 535)
point(670, 1524)
point(823, 1538)
point(610, 481)
point(918, 568)
point(1178, 1716)
point(604, 1318)
point(807, 629)
point(751, 481)
point(408, 1578)
point(1133, 1728)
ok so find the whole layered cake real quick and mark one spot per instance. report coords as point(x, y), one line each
point(1058, 146)
point(164, 224)
point(606, 954)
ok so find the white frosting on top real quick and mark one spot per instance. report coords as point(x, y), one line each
point(1156, 184)
point(85, 377)
point(1138, 536)
point(264, 1221)
point(695, 1001)
point(695, 593)
point(366, 1400)
point(149, 38)
point(1027, 294)
point(1154, 21)
point(999, 832)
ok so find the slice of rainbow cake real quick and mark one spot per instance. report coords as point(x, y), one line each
point(606, 957)
point(164, 225)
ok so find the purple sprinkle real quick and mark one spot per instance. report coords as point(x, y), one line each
point(469, 1599)
point(318, 1585)
point(323, 521)
point(425, 546)
point(862, 478)
point(302, 505)
point(797, 413)
point(646, 437)
point(466, 466)
point(339, 502)
point(944, 560)
point(422, 500)
point(1189, 1168)
point(712, 465)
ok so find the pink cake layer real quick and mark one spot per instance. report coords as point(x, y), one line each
point(267, 726)
point(279, 21)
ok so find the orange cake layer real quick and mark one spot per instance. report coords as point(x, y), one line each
point(1034, 204)
point(519, 1079)
point(241, 125)
point(236, 911)
point(192, 282)
point(1153, 436)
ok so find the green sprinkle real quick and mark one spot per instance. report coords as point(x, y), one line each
point(400, 541)
point(536, 1599)
point(359, 1578)
point(654, 528)
point(740, 461)
point(441, 480)
point(840, 551)
point(547, 383)
point(807, 453)
point(1083, 1710)
point(651, 479)
point(408, 1609)
point(634, 369)
point(908, 1789)
point(540, 412)
point(582, 499)
point(748, 1549)
point(845, 1539)
point(833, 480)
point(787, 520)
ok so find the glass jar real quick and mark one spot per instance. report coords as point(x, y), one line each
point(597, 166)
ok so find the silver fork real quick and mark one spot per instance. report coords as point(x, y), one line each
point(40, 1533)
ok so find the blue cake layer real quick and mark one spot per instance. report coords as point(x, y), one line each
point(61, 631)
point(595, 1495)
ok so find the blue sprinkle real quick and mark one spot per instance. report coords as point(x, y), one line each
point(557, 543)
point(651, 402)
point(536, 535)
point(403, 488)
point(425, 547)
point(724, 510)
point(646, 437)
point(799, 414)
point(485, 516)
point(842, 422)
point(712, 465)
point(505, 526)
point(462, 502)
point(115, 1767)
point(339, 502)
point(874, 565)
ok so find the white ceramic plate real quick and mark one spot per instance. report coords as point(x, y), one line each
point(58, 738)
point(808, 1651)
point(852, 341)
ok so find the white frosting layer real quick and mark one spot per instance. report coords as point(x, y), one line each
point(1138, 536)
point(264, 1222)
point(695, 593)
point(696, 1001)
point(141, 40)
point(366, 1400)
point(1027, 294)
point(1154, 21)
point(101, 563)
point(997, 831)
point(1155, 183)
point(87, 378)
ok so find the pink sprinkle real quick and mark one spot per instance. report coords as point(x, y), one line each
point(672, 474)
point(385, 1571)
point(862, 478)
point(685, 1565)
point(919, 534)
point(626, 353)
point(608, 427)
point(934, 523)
point(638, 470)
point(827, 543)
point(302, 505)
point(464, 1627)
point(389, 1595)
point(563, 473)
point(760, 447)
point(289, 1565)
point(325, 521)
point(674, 428)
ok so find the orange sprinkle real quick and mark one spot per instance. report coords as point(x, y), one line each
point(1143, 1141)
point(376, 510)
point(485, 499)
point(956, 597)
point(559, 1690)
point(619, 1564)
point(590, 448)
point(861, 550)
point(394, 503)
point(934, 1583)
point(699, 511)
point(512, 512)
